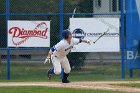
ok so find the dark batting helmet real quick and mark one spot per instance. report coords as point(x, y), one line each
point(66, 33)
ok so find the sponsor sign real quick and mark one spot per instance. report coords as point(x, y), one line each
point(28, 33)
point(93, 28)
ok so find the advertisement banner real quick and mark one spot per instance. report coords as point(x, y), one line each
point(92, 29)
point(28, 33)
point(133, 33)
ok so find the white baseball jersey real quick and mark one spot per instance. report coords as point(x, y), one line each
point(63, 47)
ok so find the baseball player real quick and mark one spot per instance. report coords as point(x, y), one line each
point(58, 55)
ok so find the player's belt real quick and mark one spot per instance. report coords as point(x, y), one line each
point(55, 56)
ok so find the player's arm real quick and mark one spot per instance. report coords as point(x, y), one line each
point(84, 41)
point(49, 54)
point(48, 59)
point(77, 41)
point(55, 48)
point(51, 51)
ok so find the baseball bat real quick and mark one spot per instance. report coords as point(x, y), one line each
point(74, 11)
point(101, 36)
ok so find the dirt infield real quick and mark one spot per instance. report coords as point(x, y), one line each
point(105, 85)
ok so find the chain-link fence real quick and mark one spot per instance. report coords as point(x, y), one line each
point(27, 63)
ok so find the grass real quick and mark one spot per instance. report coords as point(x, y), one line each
point(136, 85)
point(49, 90)
point(36, 72)
point(31, 72)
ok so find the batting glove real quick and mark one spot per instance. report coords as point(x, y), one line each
point(88, 41)
point(47, 60)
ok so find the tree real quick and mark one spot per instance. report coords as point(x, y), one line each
point(86, 6)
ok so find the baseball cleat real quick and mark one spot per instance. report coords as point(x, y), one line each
point(65, 81)
point(49, 75)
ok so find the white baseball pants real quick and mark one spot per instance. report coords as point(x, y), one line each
point(59, 63)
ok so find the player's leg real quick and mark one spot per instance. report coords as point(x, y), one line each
point(56, 67)
point(66, 66)
point(50, 73)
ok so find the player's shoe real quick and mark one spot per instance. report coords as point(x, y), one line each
point(49, 75)
point(65, 81)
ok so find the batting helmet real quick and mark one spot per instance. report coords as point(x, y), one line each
point(66, 33)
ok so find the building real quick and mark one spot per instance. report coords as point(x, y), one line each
point(106, 6)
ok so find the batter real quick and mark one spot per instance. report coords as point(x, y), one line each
point(58, 55)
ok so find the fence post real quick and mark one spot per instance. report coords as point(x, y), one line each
point(61, 28)
point(8, 63)
point(122, 40)
point(8, 49)
point(0, 65)
point(61, 17)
